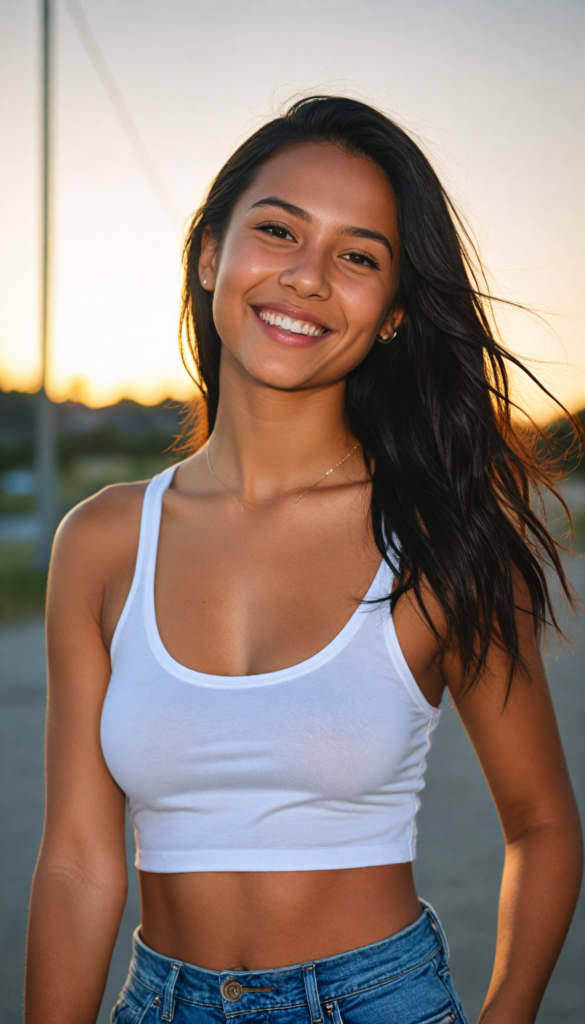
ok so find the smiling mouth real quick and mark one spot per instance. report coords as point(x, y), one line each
point(286, 323)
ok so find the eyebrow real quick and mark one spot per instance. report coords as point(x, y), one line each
point(376, 236)
point(297, 211)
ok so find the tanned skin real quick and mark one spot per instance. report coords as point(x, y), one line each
point(256, 592)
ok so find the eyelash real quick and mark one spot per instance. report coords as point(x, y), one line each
point(269, 226)
point(364, 256)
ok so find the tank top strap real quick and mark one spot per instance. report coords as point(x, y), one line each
point(150, 524)
point(147, 543)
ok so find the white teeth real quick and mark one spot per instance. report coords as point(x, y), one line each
point(292, 326)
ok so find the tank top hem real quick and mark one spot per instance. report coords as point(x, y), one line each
point(314, 859)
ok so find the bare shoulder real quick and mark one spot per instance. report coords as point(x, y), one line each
point(95, 550)
point(111, 509)
point(106, 524)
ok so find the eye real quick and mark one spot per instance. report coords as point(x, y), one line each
point(276, 230)
point(360, 259)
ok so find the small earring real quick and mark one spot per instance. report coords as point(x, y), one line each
point(386, 341)
point(204, 281)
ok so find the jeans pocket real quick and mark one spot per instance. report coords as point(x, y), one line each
point(444, 974)
point(442, 1018)
point(124, 1013)
point(128, 1010)
point(333, 1016)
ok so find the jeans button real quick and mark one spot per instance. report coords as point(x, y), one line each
point(231, 990)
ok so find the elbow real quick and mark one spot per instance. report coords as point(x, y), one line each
point(84, 878)
point(558, 840)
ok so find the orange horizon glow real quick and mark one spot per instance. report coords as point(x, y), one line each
point(81, 390)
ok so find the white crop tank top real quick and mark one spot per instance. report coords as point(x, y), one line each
point(315, 766)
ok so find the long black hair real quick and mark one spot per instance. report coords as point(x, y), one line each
point(452, 474)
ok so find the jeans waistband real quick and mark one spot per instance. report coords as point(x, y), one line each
point(314, 981)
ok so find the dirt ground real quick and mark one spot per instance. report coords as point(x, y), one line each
point(460, 844)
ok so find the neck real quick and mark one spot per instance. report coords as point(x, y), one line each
point(267, 441)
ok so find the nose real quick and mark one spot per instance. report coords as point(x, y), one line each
point(308, 274)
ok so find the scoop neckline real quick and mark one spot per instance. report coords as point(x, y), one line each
point(196, 677)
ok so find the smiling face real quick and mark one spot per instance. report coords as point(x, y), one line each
point(308, 270)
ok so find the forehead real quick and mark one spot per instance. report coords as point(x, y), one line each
point(330, 184)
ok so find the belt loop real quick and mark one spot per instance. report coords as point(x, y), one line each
point(437, 928)
point(310, 979)
point(168, 993)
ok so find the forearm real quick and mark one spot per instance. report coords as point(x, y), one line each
point(540, 886)
point(74, 921)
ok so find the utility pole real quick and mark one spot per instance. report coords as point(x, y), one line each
point(46, 425)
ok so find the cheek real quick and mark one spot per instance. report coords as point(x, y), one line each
point(241, 268)
point(243, 265)
point(365, 304)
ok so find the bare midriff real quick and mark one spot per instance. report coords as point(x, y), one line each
point(228, 920)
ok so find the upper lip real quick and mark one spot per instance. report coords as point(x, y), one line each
point(293, 312)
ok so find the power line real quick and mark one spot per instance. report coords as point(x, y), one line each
point(102, 70)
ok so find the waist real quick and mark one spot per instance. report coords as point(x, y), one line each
point(316, 982)
point(270, 919)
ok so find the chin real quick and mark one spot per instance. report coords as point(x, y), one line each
point(286, 371)
point(277, 376)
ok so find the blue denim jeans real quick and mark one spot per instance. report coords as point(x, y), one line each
point(401, 980)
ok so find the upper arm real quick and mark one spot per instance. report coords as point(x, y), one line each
point(516, 740)
point(94, 549)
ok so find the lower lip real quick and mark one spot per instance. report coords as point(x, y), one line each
point(285, 338)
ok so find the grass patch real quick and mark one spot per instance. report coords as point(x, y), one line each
point(22, 587)
point(12, 504)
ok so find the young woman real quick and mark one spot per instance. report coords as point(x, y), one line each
point(265, 631)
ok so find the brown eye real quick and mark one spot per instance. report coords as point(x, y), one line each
point(360, 259)
point(277, 231)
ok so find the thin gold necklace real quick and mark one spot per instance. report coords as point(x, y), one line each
point(301, 495)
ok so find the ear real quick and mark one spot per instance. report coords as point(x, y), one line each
point(208, 260)
point(392, 322)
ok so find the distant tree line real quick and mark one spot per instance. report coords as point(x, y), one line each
point(126, 428)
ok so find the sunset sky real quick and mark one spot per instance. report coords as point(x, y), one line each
point(494, 90)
